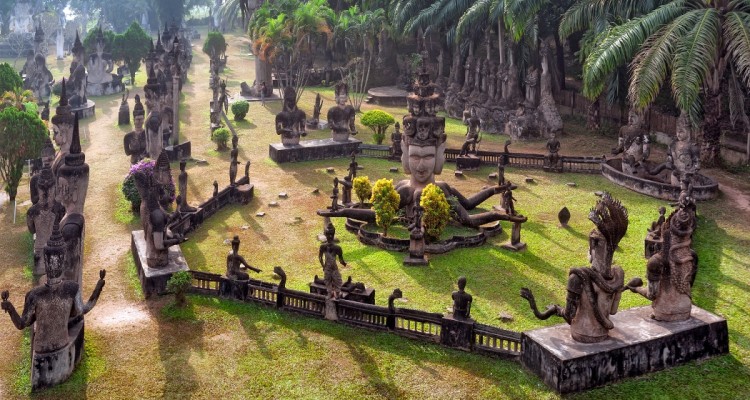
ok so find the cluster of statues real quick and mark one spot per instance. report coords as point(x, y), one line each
point(594, 292)
point(37, 77)
point(100, 79)
point(55, 307)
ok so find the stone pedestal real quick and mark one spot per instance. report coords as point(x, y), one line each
point(457, 333)
point(308, 150)
point(368, 296)
point(245, 193)
point(515, 243)
point(85, 111)
point(180, 151)
point(637, 345)
point(154, 281)
point(468, 163)
point(54, 367)
point(103, 89)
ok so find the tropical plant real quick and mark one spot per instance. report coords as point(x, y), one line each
point(692, 45)
point(10, 80)
point(378, 121)
point(22, 135)
point(131, 47)
point(221, 136)
point(215, 44)
point(17, 98)
point(240, 109)
point(362, 188)
point(437, 210)
point(385, 201)
point(179, 283)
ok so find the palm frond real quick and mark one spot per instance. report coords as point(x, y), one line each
point(651, 66)
point(736, 100)
point(695, 57)
point(475, 16)
point(736, 37)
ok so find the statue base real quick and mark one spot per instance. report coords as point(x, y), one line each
point(468, 163)
point(180, 151)
point(85, 111)
point(55, 367)
point(103, 89)
point(416, 261)
point(636, 346)
point(308, 150)
point(457, 333)
point(154, 280)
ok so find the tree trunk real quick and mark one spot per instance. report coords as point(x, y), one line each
point(501, 39)
point(263, 74)
point(593, 117)
point(560, 58)
point(711, 133)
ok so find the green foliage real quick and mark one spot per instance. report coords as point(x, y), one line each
point(89, 42)
point(22, 135)
point(131, 48)
point(437, 210)
point(10, 80)
point(131, 192)
point(363, 188)
point(378, 121)
point(178, 284)
point(221, 137)
point(385, 200)
point(214, 44)
point(240, 109)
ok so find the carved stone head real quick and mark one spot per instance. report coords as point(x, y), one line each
point(342, 94)
point(54, 256)
point(73, 177)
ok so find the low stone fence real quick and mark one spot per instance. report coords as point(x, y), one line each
point(188, 222)
point(420, 325)
point(589, 165)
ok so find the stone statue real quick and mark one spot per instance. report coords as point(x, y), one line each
point(290, 123)
point(353, 166)
point(182, 181)
point(472, 123)
point(42, 216)
point(39, 80)
point(72, 186)
point(233, 161)
point(671, 270)
point(502, 82)
point(468, 76)
point(78, 78)
point(633, 144)
point(47, 157)
point(547, 108)
point(62, 128)
point(553, 161)
point(416, 235)
point(56, 312)
point(313, 122)
point(101, 80)
point(154, 126)
point(223, 102)
point(134, 141)
point(341, 116)
point(335, 195)
point(684, 153)
point(153, 218)
point(593, 292)
point(236, 263)
point(123, 115)
point(461, 301)
point(508, 198)
point(396, 142)
point(532, 83)
point(331, 274)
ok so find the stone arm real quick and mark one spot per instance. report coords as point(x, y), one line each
point(359, 214)
point(246, 265)
point(280, 129)
point(473, 201)
point(575, 287)
point(79, 307)
point(126, 142)
point(26, 318)
point(159, 224)
point(352, 126)
point(340, 255)
point(30, 220)
point(321, 250)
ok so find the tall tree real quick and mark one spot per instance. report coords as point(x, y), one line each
point(131, 47)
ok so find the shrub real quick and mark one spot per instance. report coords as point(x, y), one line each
point(215, 43)
point(178, 284)
point(22, 135)
point(130, 190)
point(378, 121)
point(221, 137)
point(385, 201)
point(10, 80)
point(240, 109)
point(362, 188)
point(437, 210)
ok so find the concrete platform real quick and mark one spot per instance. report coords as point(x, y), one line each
point(637, 345)
point(154, 281)
point(86, 111)
point(387, 96)
point(308, 150)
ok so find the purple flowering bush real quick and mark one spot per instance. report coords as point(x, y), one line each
point(130, 190)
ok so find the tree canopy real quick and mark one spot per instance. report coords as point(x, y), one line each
point(22, 135)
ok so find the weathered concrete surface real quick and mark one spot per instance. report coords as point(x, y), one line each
point(308, 150)
point(154, 281)
point(704, 188)
point(637, 345)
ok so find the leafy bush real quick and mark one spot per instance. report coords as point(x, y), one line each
point(437, 210)
point(22, 135)
point(385, 201)
point(240, 109)
point(130, 190)
point(215, 43)
point(378, 121)
point(178, 284)
point(362, 188)
point(10, 80)
point(221, 137)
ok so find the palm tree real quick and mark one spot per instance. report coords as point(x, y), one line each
point(692, 44)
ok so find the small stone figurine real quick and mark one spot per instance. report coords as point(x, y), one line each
point(182, 181)
point(335, 195)
point(461, 301)
point(233, 162)
point(330, 251)
point(236, 263)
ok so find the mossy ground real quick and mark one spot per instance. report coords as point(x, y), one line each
point(225, 349)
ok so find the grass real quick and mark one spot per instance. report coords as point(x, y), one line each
point(219, 348)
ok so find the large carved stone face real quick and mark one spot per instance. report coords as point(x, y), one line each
point(138, 122)
point(341, 99)
point(62, 134)
point(421, 163)
point(71, 192)
point(598, 253)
